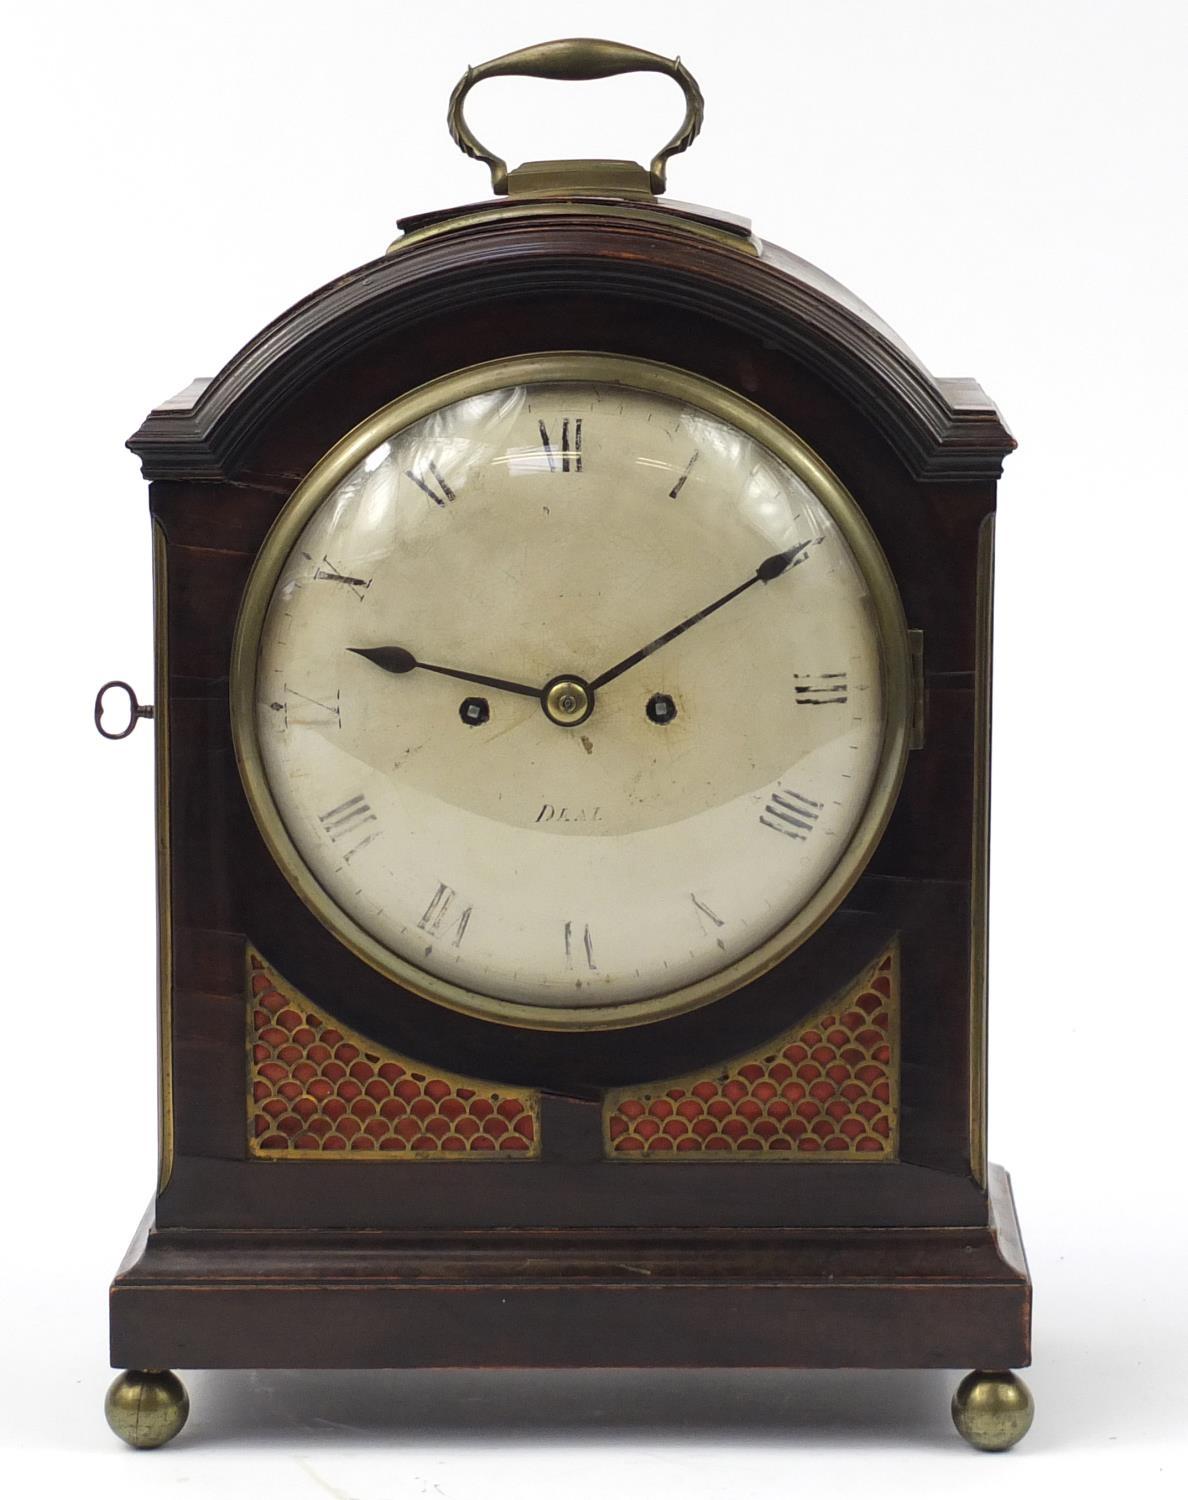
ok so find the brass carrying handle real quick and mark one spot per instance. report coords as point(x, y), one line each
point(577, 58)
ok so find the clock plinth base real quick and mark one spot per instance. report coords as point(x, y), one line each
point(872, 1298)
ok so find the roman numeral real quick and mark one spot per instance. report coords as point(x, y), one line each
point(812, 689)
point(706, 911)
point(434, 486)
point(569, 457)
point(680, 484)
point(324, 711)
point(330, 573)
point(344, 823)
point(575, 947)
point(439, 915)
point(791, 813)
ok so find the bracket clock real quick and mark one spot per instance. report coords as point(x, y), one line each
point(572, 732)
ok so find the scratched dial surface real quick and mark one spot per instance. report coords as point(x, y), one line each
point(555, 531)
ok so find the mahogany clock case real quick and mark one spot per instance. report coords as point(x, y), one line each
point(922, 457)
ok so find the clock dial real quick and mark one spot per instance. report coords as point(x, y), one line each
point(572, 697)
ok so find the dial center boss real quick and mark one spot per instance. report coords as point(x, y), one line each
point(568, 701)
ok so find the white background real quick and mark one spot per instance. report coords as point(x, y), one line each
point(1004, 183)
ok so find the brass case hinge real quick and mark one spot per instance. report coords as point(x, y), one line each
point(919, 699)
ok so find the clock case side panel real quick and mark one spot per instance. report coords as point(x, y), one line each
point(318, 373)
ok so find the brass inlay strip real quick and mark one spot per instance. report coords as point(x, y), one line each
point(164, 873)
point(979, 946)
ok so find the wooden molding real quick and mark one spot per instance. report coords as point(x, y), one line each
point(941, 429)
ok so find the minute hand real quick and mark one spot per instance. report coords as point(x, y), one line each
point(770, 568)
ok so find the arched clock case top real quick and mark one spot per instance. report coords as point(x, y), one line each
point(414, 299)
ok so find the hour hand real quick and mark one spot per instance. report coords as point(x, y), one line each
point(398, 659)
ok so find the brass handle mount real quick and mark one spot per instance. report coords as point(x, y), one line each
point(577, 59)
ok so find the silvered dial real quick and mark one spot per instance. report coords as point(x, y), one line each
point(572, 699)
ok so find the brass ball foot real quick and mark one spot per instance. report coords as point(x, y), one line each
point(146, 1407)
point(992, 1410)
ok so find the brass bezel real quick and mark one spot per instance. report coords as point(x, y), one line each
point(579, 368)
